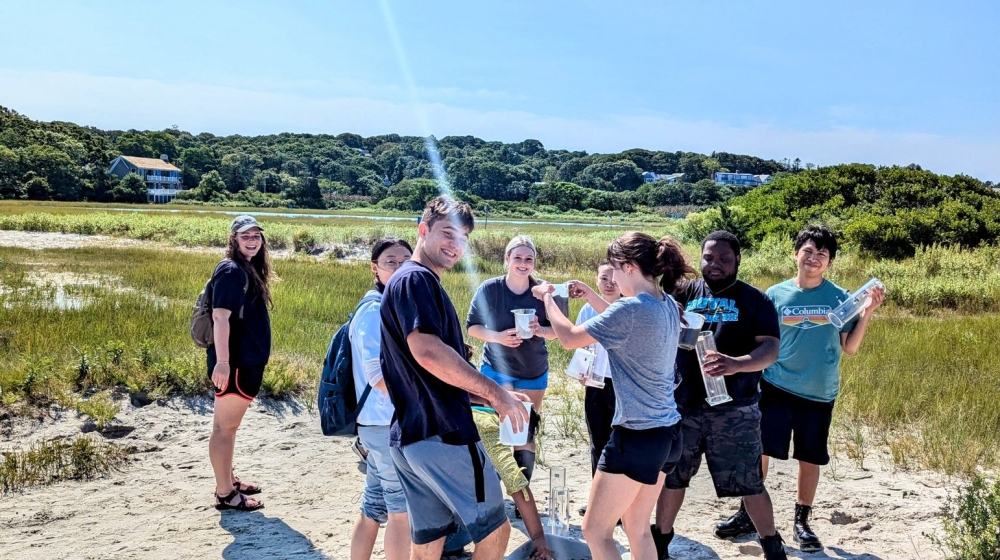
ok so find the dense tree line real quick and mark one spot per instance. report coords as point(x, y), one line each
point(887, 211)
point(64, 161)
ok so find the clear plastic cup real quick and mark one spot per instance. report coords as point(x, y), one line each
point(507, 434)
point(855, 304)
point(522, 320)
point(715, 385)
point(561, 290)
point(690, 333)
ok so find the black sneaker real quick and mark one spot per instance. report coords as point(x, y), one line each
point(737, 525)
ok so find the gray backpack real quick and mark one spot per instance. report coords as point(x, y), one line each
point(202, 330)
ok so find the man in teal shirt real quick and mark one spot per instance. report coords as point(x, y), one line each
point(798, 391)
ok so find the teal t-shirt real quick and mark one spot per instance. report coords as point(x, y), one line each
point(809, 353)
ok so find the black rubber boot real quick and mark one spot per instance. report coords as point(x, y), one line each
point(526, 460)
point(808, 541)
point(662, 541)
point(773, 546)
point(737, 525)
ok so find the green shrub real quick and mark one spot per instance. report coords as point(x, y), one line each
point(100, 407)
point(972, 521)
point(304, 241)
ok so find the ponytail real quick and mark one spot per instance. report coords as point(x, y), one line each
point(664, 258)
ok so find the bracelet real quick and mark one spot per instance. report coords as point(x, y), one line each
point(217, 363)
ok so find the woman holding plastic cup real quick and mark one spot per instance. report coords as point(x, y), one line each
point(599, 402)
point(640, 333)
point(514, 325)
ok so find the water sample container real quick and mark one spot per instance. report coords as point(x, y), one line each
point(855, 304)
point(715, 385)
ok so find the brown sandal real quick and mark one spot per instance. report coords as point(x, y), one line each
point(223, 502)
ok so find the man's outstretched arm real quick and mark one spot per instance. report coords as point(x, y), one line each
point(447, 365)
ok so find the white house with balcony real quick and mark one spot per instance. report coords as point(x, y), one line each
point(163, 179)
point(651, 177)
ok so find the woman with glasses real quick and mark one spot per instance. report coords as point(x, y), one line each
point(241, 329)
point(382, 501)
point(515, 363)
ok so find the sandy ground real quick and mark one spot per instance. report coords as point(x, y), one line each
point(161, 505)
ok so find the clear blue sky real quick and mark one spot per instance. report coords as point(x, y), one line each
point(887, 82)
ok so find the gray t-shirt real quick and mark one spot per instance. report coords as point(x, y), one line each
point(640, 334)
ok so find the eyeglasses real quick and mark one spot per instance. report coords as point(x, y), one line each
point(390, 265)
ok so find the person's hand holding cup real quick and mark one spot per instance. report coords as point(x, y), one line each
point(510, 405)
point(509, 338)
point(539, 290)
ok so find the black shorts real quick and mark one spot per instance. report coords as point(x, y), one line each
point(787, 418)
point(244, 381)
point(641, 454)
point(729, 438)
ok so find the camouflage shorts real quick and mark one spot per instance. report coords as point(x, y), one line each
point(729, 438)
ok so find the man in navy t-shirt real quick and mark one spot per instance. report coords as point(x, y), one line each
point(745, 326)
point(445, 472)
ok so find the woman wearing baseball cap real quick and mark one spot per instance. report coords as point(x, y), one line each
point(241, 296)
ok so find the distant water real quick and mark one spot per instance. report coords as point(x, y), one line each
point(618, 224)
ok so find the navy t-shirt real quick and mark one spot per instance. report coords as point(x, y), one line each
point(415, 300)
point(736, 315)
point(492, 307)
point(249, 337)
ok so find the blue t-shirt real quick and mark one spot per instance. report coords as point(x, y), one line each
point(415, 300)
point(736, 315)
point(640, 334)
point(809, 357)
point(249, 337)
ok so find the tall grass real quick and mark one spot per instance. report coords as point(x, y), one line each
point(923, 385)
point(51, 461)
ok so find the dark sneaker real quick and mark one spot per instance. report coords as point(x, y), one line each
point(774, 547)
point(737, 525)
point(808, 541)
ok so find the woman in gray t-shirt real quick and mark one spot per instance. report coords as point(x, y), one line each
point(640, 332)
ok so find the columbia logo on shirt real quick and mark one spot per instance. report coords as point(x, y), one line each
point(805, 317)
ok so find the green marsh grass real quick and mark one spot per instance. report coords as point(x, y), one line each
point(923, 384)
point(52, 461)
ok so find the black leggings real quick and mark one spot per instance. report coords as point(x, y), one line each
point(599, 410)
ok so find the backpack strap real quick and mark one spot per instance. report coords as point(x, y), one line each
point(368, 298)
point(246, 285)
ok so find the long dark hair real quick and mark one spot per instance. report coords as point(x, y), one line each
point(664, 258)
point(380, 247)
point(258, 269)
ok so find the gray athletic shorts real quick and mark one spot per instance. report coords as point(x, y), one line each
point(448, 486)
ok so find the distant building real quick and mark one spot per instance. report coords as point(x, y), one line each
point(163, 179)
point(650, 177)
point(741, 179)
